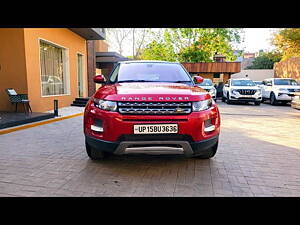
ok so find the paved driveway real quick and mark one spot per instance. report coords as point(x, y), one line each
point(258, 155)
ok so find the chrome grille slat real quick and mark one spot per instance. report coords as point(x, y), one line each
point(155, 108)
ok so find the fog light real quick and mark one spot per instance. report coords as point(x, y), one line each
point(95, 128)
point(98, 125)
point(210, 128)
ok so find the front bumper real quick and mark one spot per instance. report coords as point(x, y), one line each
point(115, 125)
point(246, 99)
point(284, 97)
point(156, 147)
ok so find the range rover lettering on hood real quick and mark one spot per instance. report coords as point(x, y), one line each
point(151, 98)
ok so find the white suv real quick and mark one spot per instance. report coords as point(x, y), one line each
point(241, 90)
point(208, 86)
point(279, 90)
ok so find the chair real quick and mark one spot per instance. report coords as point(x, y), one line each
point(18, 98)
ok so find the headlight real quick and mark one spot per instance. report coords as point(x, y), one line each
point(105, 105)
point(233, 91)
point(258, 91)
point(202, 105)
point(212, 91)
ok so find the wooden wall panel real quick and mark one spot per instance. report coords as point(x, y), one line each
point(213, 67)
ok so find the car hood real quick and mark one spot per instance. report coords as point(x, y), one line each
point(145, 91)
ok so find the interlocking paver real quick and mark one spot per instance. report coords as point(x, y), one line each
point(258, 155)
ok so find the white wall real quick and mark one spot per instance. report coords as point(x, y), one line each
point(258, 75)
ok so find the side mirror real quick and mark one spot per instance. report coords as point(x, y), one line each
point(198, 79)
point(269, 84)
point(226, 85)
point(99, 79)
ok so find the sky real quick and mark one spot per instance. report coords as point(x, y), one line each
point(255, 39)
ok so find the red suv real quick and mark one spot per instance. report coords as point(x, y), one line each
point(151, 107)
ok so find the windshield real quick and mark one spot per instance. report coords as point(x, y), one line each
point(285, 82)
point(242, 83)
point(206, 82)
point(150, 72)
point(258, 82)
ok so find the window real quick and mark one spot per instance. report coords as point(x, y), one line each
point(150, 72)
point(268, 82)
point(242, 83)
point(206, 82)
point(53, 69)
point(285, 82)
point(216, 75)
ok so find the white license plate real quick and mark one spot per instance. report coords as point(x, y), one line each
point(155, 129)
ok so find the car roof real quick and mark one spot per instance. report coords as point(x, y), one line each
point(147, 61)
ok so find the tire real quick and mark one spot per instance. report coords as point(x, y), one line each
point(262, 100)
point(257, 103)
point(273, 100)
point(223, 99)
point(210, 153)
point(94, 154)
point(227, 100)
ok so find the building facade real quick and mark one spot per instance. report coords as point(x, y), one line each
point(256, 75)
point(47, 64)
point(218, 72)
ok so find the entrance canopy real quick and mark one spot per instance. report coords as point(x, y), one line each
point(107, 60)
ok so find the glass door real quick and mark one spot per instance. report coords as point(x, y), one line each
point(80, 75)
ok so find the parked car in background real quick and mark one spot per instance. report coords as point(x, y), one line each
point(241, 90)
point(258, 83)
point(279, 90)
point(296, 101)
point(208, 86)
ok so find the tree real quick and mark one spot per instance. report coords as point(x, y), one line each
point(287, 41)
point(139, 40)
point(122, 38)
point(265, 60)
point(193, 44)
point(117, 37)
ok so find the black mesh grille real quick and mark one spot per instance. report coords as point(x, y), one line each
point(155, 108)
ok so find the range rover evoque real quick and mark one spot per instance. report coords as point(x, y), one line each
point(151, 107)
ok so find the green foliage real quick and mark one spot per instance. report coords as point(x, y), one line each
point(287, 42)
point(265, 60)
point(192, 44)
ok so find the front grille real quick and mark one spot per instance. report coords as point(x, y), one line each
point(246, 91)
point(154, 108)
point(293, 90)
